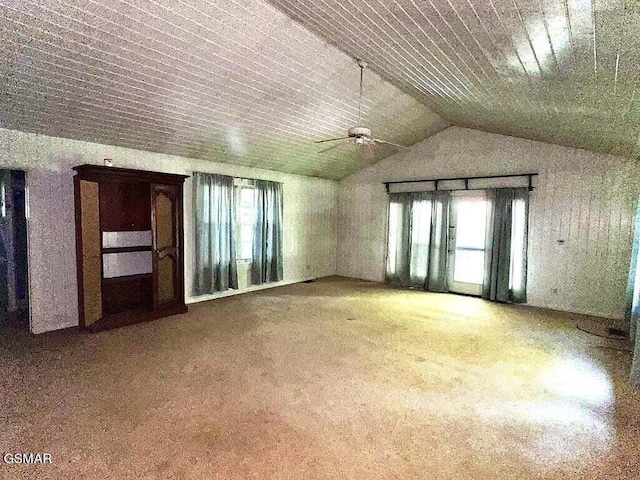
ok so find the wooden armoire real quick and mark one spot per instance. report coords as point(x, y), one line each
point(129, 245)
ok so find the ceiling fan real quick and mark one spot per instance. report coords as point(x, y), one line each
point(361, 135)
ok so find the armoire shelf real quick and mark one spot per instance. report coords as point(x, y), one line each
point(129, 246)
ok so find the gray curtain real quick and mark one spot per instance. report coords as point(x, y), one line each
point(266, 265)
point(215, 242)
point(438, 280)
point(505, 270)
point(408, 243)
point(632, 311)
point(635, 364)
point(417, 242)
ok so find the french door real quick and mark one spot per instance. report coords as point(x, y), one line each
point(467, 229)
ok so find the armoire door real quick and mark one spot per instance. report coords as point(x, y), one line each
point(165, 205)
point(89, 251)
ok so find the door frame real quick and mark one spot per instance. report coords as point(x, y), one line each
point(464, 288)
point(27, 206)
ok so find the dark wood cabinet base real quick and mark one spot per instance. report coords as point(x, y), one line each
point(131, 317)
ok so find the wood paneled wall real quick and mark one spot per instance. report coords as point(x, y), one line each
point(581, 236)
point(581, 216)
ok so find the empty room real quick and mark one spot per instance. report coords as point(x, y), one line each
point(324, 239)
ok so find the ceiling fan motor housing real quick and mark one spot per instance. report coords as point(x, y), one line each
point(359, 132)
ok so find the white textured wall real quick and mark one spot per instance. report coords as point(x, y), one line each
point(310, 206)
point(310, 236)
point(584, 198)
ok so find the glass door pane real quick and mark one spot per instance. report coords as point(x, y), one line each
point(467, 244)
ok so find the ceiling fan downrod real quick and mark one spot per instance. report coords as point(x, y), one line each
point(362, 64)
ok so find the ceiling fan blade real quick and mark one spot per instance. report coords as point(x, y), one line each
point(369, 153)
point(331, 140)
point(389, 143)
point(338, 145)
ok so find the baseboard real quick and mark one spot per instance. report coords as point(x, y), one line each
point(591, 313)
point(68, 323)
point(254, 288)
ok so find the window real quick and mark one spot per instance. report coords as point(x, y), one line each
point(420, 231)
point(518, 232)
point(235, 217)
point(245, 199)
point(246, 219)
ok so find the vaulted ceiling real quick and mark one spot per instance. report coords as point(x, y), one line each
point(252, 83)
point(560, 71)
point(230, 81)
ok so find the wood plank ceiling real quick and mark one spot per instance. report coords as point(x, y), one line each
point(560, 71)
point(239, 81)
point(230, 81)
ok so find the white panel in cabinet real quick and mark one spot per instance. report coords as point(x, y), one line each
point(126, 263)
point(126, 239)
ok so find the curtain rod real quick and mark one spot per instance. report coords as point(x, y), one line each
point(236, 178)
point(466, 180)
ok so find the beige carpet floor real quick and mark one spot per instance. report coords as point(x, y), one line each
point(338, 379)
